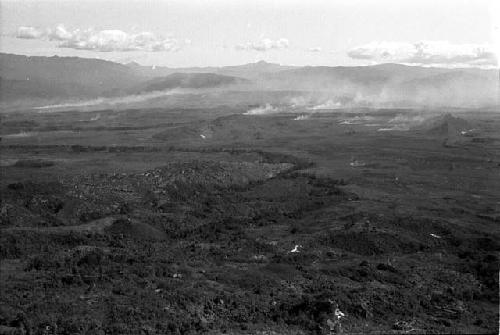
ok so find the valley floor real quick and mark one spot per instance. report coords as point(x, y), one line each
point(264, 225)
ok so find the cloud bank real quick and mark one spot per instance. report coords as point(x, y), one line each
point(102, 40)
point(264, 45)
point(441, 53)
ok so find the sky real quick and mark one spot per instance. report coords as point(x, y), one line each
point(450, 33)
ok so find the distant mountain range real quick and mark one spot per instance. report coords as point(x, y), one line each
point(24, 77)
point(248, 71)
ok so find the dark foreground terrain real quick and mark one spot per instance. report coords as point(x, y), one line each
point(159, 221)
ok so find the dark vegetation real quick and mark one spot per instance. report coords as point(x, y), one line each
point(247, 234)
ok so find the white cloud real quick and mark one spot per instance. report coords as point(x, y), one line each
point(264, 45)
point(29, 33)
point(117, 40)
point(441, 53)
point(104, 40)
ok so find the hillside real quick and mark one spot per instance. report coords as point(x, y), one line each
point(396, 84)
point(62, 77)
point(374, 75)
point(453, 88)
point(13, 89)
point(190, 80)
point(249, 71)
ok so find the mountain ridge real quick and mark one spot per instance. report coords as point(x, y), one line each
point(75, 77)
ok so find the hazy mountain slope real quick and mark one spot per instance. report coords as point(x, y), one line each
point(452, 88)
point(395, 83)
point(319, 76)
point(249, 71)
point(63, 76)
point(190, 80)
point(254, 70)
point(13, 89)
